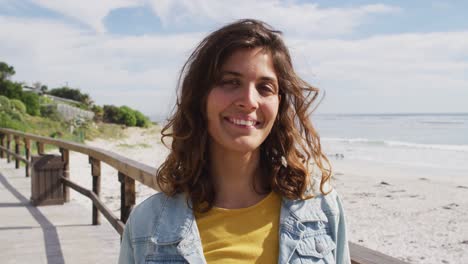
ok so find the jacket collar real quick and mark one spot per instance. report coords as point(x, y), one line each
point(176, 224)
point(294, 213)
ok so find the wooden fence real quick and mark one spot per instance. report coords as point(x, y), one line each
point(128, 171)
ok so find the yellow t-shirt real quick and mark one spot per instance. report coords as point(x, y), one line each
point(246, 235)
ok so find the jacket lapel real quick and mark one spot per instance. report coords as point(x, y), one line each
point(178, 226)
point(294, 213)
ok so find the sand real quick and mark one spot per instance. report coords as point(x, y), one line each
point(416, 214)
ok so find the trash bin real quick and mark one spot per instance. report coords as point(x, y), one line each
point(46, 185)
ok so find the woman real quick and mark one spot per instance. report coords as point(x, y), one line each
point(238, 185)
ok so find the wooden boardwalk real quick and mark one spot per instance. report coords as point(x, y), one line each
point(48, 234)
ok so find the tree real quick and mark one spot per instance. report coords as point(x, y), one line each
point(6, 71)
point(31, 100)
point(11, 89)
point(44, 89)
point(127, 116)
point(111, 114)
point(98, 113)
point(72, 94)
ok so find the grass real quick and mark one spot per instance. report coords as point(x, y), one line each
point(141, 145)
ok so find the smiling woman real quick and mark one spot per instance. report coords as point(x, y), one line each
point(246, 180)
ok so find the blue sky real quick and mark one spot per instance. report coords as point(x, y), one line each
point(366, 56)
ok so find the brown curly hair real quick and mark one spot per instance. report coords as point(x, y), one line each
point(293, 137)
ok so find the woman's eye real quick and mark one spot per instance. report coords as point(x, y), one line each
point(266, 88)
point(230, 82)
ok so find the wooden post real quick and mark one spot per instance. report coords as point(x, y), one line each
point(8, 147)
point(40, 148)
point(66, 172)
point(127, 196)
point(17, 151)
point(27, 150)
point(2, 143)
point(96, 173)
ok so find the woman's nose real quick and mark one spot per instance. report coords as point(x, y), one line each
point(248, 97)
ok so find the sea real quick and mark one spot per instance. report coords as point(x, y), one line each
point(434, 140)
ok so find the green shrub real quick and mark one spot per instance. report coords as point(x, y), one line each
point(98, 112)
point(5, 105)
point(50, 111)
point(7, 122)
point(18, 106)
point(72, 94)
point(127, 116)
point(31, 100)
point(141, 120)
point(11, 89)
point(44, 100)
point(111, 114)
point(124, 115)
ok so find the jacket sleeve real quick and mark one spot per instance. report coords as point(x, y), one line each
point(342, 247)
point(126, 248)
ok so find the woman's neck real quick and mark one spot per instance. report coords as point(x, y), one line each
point(233, 176)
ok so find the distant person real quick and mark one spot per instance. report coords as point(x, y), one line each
point(246, 180)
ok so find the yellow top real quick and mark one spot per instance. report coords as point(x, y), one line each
point(246, 235)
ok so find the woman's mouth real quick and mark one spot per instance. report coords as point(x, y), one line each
point(251, 123)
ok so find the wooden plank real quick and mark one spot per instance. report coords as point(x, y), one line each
point(49, 234)
point(66, 171)
point(8, 143)
point(27, 150)
point(363, 255)
point(2, 144)
point(40, 148)
point(113, 220)
point(96, 173)
point(11, 153)
point(133, 169)
point(127, 196)
point(17, 152)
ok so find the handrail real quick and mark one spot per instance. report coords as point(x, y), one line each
point(128, 171)
point(131, 168)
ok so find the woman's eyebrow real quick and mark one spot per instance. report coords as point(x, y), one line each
point(270, 79)
point(238, 74)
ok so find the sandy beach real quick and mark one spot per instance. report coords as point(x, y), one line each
point(417, 214)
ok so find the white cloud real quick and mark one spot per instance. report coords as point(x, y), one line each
point(89, 12)
point(290, 16)
point(401, 72)
point(382, 73)
point(101, 64)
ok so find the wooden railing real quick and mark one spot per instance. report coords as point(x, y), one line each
point(129, 171)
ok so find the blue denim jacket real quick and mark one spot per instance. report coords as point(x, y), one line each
point(162, 229)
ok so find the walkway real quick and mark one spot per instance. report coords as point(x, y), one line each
point(48, 234)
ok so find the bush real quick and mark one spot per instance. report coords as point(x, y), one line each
point(5, 105)
point(124, 115)
point(11, 89)
point(7, 121)
point(18, 106)
point(141, 120)
point(50, 111)
point(111, 114)
point(72, 94)
point(44, 100)
point(31, 100)
point(127, 116)
point(98, 112)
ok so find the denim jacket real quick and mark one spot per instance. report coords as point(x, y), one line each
point(162, 229)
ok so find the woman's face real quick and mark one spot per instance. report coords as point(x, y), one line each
point(243, 105)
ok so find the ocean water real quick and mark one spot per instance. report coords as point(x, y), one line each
point(428, 140)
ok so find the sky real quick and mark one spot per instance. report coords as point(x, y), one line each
point(365, 56)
